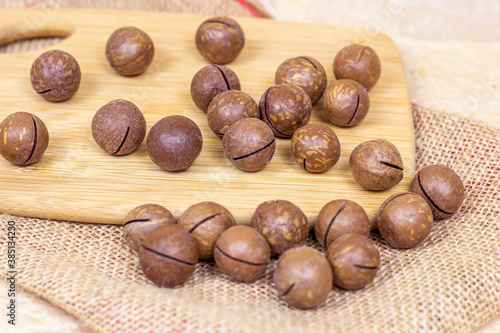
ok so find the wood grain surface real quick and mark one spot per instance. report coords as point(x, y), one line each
point(76, 181)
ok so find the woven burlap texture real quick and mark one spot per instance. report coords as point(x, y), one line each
point(450, 283)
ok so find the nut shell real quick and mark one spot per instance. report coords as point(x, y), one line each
point(441, 187)
point(405, 220)
point(227, 108)
point(206, 221)
point(119, 127)
point(305, 72)
point(242, 253)
point(359, 63)
point(338, 218)
point(143, 219)
point(345, 103)
point(55, 75)
point(355, 261)
point(282, 224)
point(376, 165)
point(303, 277)
point(220, 39)
point(249, 144)
point(168, 256)
point(129, 51)
point(285, 108)
point(210, 81)
point(23, 138)
point(174, 143)
point(315, 147)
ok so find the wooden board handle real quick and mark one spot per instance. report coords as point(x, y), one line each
point(28, 30)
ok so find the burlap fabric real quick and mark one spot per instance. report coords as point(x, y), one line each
point(450, 283)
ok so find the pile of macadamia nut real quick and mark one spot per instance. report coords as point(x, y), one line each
point(169, 250)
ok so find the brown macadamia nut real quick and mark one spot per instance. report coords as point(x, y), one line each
point(355, 261)
point(168, 255)
point(55, 75)
point(220, 39)
point(143, 219)
point(174, 142)
point(23, 138)
point(285, 108)
point(359, 63)
point(282, 224)
point(119, 127)
point(129, 51)
point(206, 221)
point(405, 220)
point(315, 147)
point(210, 81)
point(441, 187)
point(303, 277)
point(305, 72)
point(345, 103)
point(227, 108)
point(249, 144)
point(376, 165)
point(242, 253)
point(338, 218)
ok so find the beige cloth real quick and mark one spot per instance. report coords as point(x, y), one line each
point(450, 283)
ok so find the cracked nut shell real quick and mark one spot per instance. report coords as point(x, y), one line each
point(282, 224)
point(174, 143)
point(315, 147)
point(345, 103)
point(338, 218)
point(168, 256)
point(55, 75)
point(210, 81)
point(405, 220)
point(129, 51)
point(23, 138)
point(305, 72)
point(249, 144)
point(227, 108)
point(119, 127)
point(376, 165)
point(359, 63)
point(441, 187)
point(220, 39)
point(303, 277)
point(285, 108)
point(242, 253)
point(143, 219)
point(206, 221)
point(355, 261)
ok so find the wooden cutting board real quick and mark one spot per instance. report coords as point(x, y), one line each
point(76, 181)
